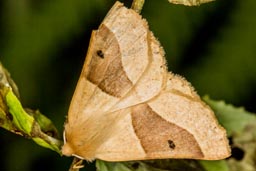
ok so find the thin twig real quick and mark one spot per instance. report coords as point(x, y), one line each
point(137, 5)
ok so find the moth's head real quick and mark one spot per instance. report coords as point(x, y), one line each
point(75, 147)
point(67, 150)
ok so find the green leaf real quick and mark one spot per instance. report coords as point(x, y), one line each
point(246, 144)
point(28, 126)
point(234, 119)
point(21, 119)
point(29, 123)
point(240, 126)
point(111, 166)
point(6, 80)
point(219, 165)
point(52, 143)
point(45, 123)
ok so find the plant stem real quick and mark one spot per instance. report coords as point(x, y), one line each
point(137, 5)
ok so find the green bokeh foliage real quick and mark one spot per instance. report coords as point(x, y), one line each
point(43, 44)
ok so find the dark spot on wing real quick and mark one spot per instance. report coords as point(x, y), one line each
point(100, 53)
point(171, 144)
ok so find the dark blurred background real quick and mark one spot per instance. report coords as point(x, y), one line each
point(43, 45)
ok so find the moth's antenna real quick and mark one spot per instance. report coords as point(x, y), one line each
point(137, 5)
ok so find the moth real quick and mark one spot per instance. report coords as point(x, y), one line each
point(127, 106)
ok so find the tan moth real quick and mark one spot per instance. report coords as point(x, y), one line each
point(127, 106)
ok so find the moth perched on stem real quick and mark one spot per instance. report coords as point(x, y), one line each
point(127, 106)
